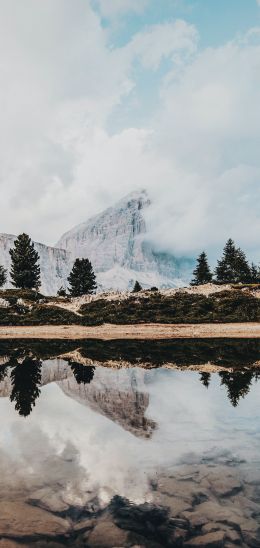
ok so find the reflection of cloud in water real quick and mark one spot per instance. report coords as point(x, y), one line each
point(194, 418)
point(62, 438)
point(102, 448)
point(32, 460)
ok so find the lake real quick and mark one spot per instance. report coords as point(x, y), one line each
point(130, 443)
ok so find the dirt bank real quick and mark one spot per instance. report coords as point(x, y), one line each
point(141, 331)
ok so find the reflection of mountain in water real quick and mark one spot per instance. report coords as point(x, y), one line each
point(119, 396)
point(116, 388)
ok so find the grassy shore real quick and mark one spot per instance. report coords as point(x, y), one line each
point(202, 305)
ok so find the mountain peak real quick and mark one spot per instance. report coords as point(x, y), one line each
point(115, 241)
point(138, 197)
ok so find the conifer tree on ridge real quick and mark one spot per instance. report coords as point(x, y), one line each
point(202, 273)
point(255, 274)
point(25, 270)
point(137, 287)
point(82, 279)
point(3, 276)
point(233, 267)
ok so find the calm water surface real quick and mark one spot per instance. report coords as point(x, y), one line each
point(130, 444)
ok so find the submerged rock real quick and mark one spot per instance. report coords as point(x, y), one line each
point(18, 519)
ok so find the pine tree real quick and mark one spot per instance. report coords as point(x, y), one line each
point(137, 287)
point(238, 384)
point(202, 274)
point(82, 279)
point(205, 379)
point(26, 380)
point(25, 270)
point(3, 371)
point(225, 267)
point(255, 274)
point(82, 373)
point(233, 267)
point(243, 272)
point(61, 292)
point(3, 276)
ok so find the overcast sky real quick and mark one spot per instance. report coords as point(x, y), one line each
point(99, 98)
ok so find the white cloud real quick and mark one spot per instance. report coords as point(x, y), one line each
point(163, 40)
point(113, 8)
point(208, 133)
point(198, 154)
point(60, 81)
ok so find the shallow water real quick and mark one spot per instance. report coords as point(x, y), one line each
point(142, 453)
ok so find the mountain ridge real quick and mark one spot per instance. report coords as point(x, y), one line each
point(116, 242)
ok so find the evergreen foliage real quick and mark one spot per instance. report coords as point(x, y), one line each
point(82, 279)
point(3, 276)
point(202, 273)
point(255, 274)
point(25, 270)
point(233, 267)
point(61, 292)
point(137, 287)
point(205, 378)
point(26, 379)
point(238, 384)
point(82, 373)
point(3, 371)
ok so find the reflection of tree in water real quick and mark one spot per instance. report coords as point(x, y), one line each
point(237, 383)
point(82, 373)
point(205, 379)
point(25, 379)
point(3, 371)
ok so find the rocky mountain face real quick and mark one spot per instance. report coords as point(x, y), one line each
point(118, 395)
point(116, 243)
point(55, 264)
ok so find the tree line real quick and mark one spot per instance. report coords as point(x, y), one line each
point(25, 270)
point(232, 268)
